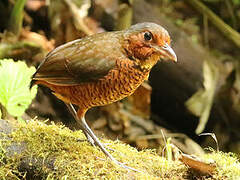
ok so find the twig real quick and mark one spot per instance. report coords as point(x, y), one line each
point(231, 12)
point(15, 22)
point(229, 32)
point(205, 26)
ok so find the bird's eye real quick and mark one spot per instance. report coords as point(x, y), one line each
point(147, 36)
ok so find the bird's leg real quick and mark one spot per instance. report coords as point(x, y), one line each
point(74, 114)
point(85, 126)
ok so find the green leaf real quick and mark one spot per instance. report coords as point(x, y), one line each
point(15, 94)
point(200, 103)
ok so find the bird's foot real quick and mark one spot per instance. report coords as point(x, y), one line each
point(92, 138)
point(105, 144)
point(104, 149)
point(89, 139)
point(92, 142)
point(124, 166)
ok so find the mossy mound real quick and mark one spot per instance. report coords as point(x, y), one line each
point(54, 152)
point(228, 165)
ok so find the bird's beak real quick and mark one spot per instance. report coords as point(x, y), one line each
point(166, 52)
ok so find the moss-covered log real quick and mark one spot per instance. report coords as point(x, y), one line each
point(40, 151)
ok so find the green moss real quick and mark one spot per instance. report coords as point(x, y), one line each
point(228, 165)
point(64, 154)
point(8, 168)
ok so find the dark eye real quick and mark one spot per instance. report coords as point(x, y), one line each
point(147, 36)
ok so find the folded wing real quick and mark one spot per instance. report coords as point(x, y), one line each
point(76, 62)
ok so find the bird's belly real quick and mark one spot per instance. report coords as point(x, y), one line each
point(116, 86)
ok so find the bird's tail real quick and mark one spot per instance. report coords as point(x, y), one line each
point(32, 83)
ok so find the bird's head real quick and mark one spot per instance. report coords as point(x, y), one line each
point(146, 43)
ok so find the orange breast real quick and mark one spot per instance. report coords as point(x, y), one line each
point(118, 84)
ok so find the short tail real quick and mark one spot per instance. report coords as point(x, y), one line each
point(32, 83)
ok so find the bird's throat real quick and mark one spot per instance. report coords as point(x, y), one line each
point(146, 65)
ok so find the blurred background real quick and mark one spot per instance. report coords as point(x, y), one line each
point(199, 94)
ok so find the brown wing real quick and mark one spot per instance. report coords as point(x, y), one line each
point(79, 61)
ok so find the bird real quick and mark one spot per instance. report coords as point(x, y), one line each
point(103, 68)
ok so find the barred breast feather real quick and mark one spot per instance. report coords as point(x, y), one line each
point(120, 82)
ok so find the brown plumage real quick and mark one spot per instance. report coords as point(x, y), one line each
point(103, 68)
